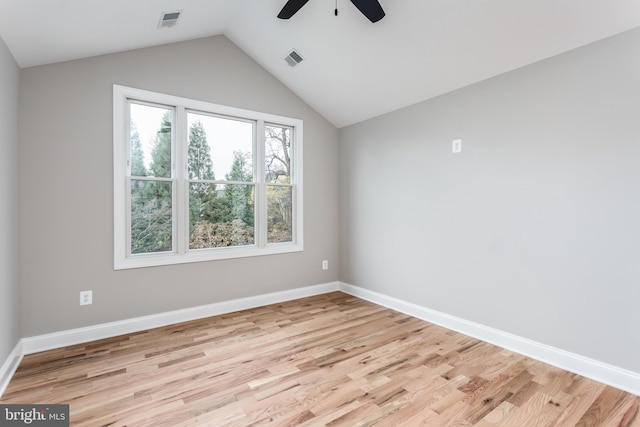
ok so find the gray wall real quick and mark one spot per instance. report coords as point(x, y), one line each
point(66, 187)
point(534, 229)
point(9, 220)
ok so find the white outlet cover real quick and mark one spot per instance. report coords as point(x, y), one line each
point(86, 297)
point(456, 146)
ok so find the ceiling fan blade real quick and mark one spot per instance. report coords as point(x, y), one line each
point(290, 8)
point(370, 8)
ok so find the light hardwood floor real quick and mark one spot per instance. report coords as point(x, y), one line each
point(330, 360)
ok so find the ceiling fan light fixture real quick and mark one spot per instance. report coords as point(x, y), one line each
point(169, 19)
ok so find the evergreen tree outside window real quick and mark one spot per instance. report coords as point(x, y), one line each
point(221, 210)
point(151, 185)
point(195, 181)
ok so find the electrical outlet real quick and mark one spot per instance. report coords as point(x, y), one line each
point(456, 146)
point(86, 297)
point(325, 265)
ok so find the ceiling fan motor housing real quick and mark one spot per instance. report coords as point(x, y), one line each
point(369, 8)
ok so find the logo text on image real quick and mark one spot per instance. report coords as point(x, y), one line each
point(34, 415)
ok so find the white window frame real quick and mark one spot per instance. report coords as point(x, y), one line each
point(181, 253)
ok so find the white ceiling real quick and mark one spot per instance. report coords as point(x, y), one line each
point(353, 69)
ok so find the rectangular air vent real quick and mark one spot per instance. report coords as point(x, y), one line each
point(169, 19)
point(293, 58)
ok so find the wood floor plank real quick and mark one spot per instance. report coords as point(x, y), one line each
point(328, 360)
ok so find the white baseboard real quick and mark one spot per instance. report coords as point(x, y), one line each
point(608, 374)
point(602, 372)
point(54, 340)
point(9, 366)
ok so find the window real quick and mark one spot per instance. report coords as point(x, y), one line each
point(195, 181)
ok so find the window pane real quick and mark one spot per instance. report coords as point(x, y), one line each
point(151, 226)
point(150, 133)
point(279, 214)
point(278, 154)
point(220, 215)
point(220, 148)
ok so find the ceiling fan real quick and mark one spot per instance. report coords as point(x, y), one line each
point(369, 8)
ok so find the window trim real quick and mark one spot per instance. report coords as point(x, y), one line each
point(181, 253)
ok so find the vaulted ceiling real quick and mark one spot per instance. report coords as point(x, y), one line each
point(352, 69)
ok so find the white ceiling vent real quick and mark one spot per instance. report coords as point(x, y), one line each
point(293, 58)
point(169, 19)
